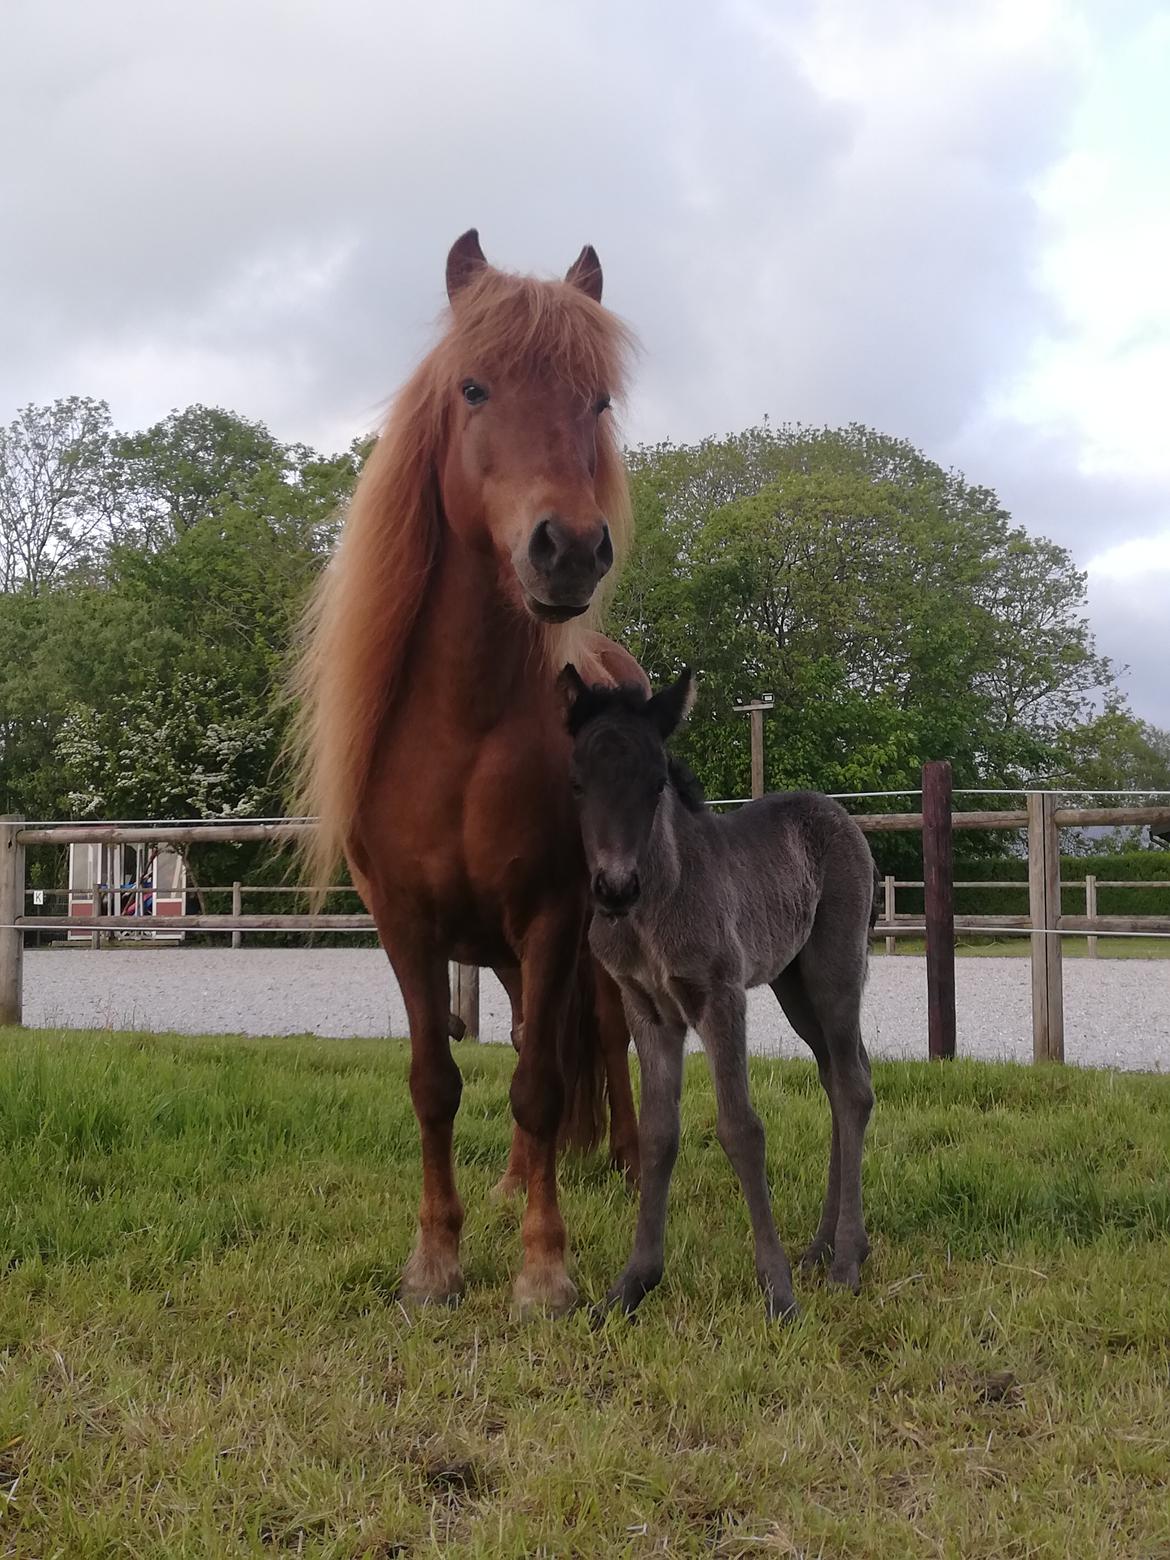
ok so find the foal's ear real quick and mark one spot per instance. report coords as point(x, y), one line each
point(671, 707)
point(464, 262)
point(585, 273)
point(570, 687)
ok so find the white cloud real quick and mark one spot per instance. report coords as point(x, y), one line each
point(948, 221)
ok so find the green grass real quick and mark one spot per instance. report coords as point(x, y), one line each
point(200, 1353)
point(1021, 947)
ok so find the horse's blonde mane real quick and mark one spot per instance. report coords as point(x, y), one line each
point(357, 628)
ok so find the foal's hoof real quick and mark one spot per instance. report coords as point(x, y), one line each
point(781, 1308)
point(818, 1252)
point(545, 1291)
point(846, 1275)
point(430, 1279)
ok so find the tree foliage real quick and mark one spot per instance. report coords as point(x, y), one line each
point(151, 583)
point(891, 609)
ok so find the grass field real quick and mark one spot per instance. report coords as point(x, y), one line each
point(1021, 947)
point(200, 1353)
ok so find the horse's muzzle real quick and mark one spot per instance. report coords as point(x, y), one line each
point(562, 565)
point(614, 895)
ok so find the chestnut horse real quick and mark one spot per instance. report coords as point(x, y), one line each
point(431, 738)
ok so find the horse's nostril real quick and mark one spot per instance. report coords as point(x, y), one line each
point(545, 545)
point(603, 553)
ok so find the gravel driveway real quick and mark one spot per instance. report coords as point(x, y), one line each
point(1117, 1012)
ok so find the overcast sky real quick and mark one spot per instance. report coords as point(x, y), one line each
point(949, 219)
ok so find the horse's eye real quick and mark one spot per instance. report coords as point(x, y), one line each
point(576, 787)
point(602, 404)
point(474, 393)
point(661, 786)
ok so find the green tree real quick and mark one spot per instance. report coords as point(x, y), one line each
point(59, 493)
point(205, 610)
point(889, 606)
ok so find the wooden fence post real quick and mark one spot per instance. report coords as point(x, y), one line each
point(891, 942)
point(757, 753)
point(97, 860)
point(466, 999)
point(1091, 913)
point(237, 909)
point(1044, 909)
point(938, 887)
point(11, 906)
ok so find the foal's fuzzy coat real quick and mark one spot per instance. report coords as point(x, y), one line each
point(691, 909)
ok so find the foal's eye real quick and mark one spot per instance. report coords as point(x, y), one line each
point(602, 404)
point(474, 393)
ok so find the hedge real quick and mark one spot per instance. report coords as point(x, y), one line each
point(1132, 867)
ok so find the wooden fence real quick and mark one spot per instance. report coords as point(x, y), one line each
point(1042, 818)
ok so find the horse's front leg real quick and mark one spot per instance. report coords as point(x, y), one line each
point(549, 968)
point(433, 1272)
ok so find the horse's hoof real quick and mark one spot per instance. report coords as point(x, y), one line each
point(506, 1187)
point(626, 1160)
point(430, 1279)
point(456, 1028)
point(547, 1291)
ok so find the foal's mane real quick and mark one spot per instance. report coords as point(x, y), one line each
point(357, 628)
point(596, 701)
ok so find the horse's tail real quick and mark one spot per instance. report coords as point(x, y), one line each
point(583, 1065)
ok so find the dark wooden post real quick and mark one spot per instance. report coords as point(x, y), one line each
point(466, 999)
point(11, 906)
point(938, 879)
point(1044, 911)
point(756, 710)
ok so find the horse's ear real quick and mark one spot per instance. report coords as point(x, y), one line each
point(570, 687)
point(671, 707)
point(464, 263)
point(585, 273)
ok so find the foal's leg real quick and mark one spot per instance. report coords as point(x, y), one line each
point(721, 1024)
point(659, 1044)
point(538, 1092)
point(433, 1272)
point(832, 977)
point(614, 1030)
point(789, 989)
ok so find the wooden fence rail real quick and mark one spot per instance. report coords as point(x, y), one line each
point(1044, 923)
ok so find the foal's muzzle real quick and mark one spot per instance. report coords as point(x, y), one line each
point(616, 893)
